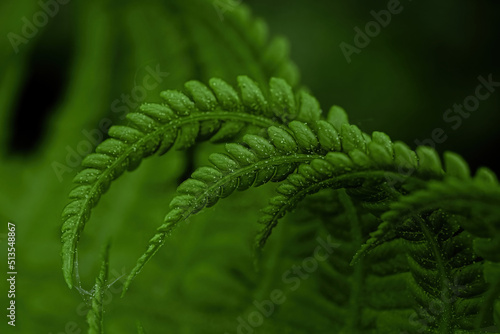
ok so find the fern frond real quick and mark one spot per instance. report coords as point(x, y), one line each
point(322, 155)
point(363, 163)
point(243, 39)
point(95, 314)
point(445, 272)
point(307, 309)
point(444, 258)
point(217, 113)
point(347, 299)
point(435, 225)
point(254, 162)
point(476, 198)
point(362, 290)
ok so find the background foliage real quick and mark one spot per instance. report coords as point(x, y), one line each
point(66, 78)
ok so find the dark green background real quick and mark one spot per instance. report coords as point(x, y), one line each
point(427, 59)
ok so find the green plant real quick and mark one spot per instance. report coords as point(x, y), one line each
point(401, 220)
point(448, 220)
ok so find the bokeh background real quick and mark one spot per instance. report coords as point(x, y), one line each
point(65, 78)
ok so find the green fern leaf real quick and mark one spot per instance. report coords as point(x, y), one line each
point(254, 162)
point(477, 198)
point(422, 224)
point(217, 113)
point(257, 163)
point(365, 161)
point(362, 159)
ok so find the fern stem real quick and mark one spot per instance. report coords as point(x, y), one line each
point(95, 314)
point(446, 320)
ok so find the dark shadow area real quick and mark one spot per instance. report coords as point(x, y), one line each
point(45, 84)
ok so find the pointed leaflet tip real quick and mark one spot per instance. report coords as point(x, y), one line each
point(137, 269)
point(68, 258)
point(154, 245)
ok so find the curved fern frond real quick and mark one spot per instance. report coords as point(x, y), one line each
point(458, 193)
point(244, 40)
point(444, 220)
point(217, 113)
point(447, 263)
point(363, 163)
point(254, 162)
point(322, 156)
point(476, 198)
